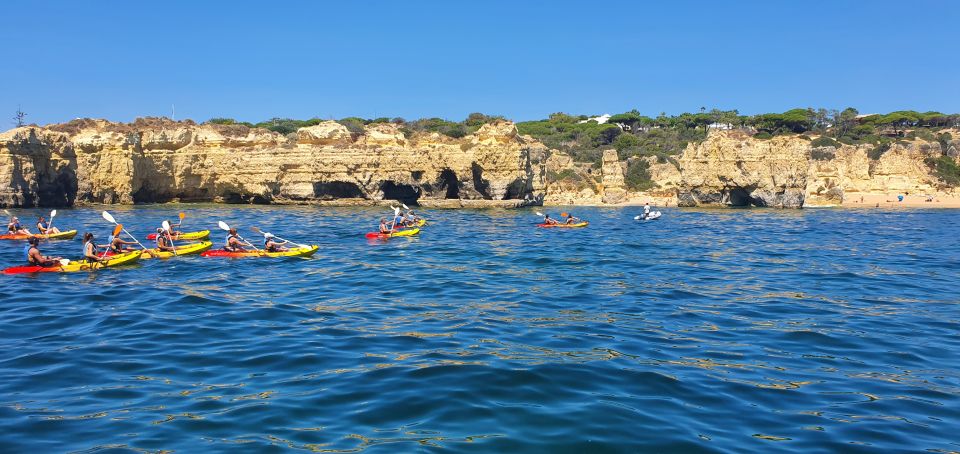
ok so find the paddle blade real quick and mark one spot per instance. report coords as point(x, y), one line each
point(116, 230)
point(396, 211)
point(53, 213)
point(64, 262)
point(538, 213)
point(405, 207)
point(165, 225)
point(109, 217)
point(256, 229)
point(223, 226)
point(182, 215)
point(564, 214)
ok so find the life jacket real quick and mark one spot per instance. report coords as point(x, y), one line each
point(26, 253)
point(226, 241)
point(42, 225)
point(93, 249)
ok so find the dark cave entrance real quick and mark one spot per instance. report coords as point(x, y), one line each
point(740, 197)
point(332, 190)
point(402, 192)
point(450, 183)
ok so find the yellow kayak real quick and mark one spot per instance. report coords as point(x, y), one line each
point(185, 249)
point(79, 265)
point(295, 252)
point(568, 226)
point(201, 235)
point(404, 232)
point(66, 235)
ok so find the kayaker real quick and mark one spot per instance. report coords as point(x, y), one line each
point(90, 248)
point(548, 220)
point(571, 219)
point(35, 258)
point(119, 246)
point(164, 242)
point(233, 243)
point(270, 243)
point(383, 226)
point(44, 227)
point(412, 219)
point(173, 232)
point(14, 227)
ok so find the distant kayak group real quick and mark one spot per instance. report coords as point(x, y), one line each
point(170, 242)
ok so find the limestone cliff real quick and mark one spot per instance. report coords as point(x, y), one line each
point(157, 160)
point(731, 168)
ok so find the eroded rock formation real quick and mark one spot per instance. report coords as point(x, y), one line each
point(156, 160)
point(731, 168)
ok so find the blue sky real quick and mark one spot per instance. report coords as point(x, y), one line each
point(256, 60)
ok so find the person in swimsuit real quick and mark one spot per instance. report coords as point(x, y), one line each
point(35, 258)
point(44, 227)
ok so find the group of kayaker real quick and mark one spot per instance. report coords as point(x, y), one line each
point(235, 243)
point(14, 227)
point(401, 220)
point(570, 219)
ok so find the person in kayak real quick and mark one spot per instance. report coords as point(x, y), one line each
point(119, 246)
point(14, 227)
point(35, 258)
point(548, 220)
point(44, 227)
point(164, 241)
point(411, 219)
point(383, 227)
point(90, 248)
point(571, 219)
point(174, 228)
point(270, 243)
point(233, 242)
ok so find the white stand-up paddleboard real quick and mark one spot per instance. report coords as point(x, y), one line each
point(654, 215)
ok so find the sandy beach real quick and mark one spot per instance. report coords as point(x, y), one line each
point(909, 201)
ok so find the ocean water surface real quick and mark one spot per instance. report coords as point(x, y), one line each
point(703, 331)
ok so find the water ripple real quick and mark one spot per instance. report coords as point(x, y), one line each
point(708, 330)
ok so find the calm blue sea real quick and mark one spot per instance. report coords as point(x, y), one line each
point(704, 331)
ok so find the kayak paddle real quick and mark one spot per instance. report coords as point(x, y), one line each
point(53, 214)
point(166, 228)
point(255, 229)
point(109, 218)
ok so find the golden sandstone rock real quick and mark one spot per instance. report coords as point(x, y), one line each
point(158, 160)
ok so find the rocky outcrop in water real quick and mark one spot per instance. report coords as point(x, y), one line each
point(157, 160)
